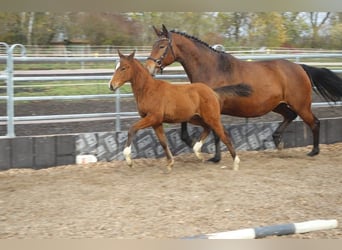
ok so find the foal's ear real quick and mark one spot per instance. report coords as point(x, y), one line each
point(120, 54)
point(131, 56)
point(165, 31)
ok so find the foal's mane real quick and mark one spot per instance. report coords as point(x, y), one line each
point(197, 40)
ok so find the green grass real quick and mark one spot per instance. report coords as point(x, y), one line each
point(54, 88)
point(66, 65)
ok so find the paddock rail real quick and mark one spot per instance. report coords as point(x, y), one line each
point(8, 77)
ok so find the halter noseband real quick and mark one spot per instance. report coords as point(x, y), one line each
point(160, 59)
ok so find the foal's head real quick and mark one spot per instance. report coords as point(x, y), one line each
point(162, 53)
point(123, 72)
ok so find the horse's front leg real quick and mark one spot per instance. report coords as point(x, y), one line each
point(163, 141)
point(185, 135)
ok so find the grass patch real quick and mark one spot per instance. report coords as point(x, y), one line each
point(58, 88)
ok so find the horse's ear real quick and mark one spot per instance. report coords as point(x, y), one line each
point(131, 56)
point(158, 33)
point(165, 31)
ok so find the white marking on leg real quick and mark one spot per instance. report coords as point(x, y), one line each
point(236, 163)
point(197, 149)
point(127, 154)
point(170, 162)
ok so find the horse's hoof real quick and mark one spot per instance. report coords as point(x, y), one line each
point(280, 146)
point(215, 159)
point(277, 141)
point(313, 152)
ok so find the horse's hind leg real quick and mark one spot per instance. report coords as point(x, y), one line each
point(312, 121)
point(163, 141)
point(185, 135)
point(217, 156)
point(289, 115)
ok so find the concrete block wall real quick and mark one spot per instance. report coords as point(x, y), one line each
point(46, 151)
point(37, 151)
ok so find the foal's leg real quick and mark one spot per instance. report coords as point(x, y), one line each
point(163, 141)
point(289, 115)
point(198, 145)
point(145, 122)
point(197, 120)
point(217, 127)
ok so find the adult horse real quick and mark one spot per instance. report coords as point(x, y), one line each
point(159, 101)
point(278, 85)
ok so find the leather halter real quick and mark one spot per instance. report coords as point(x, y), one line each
point(160, 59)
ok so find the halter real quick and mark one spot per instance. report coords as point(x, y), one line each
point(160, 59)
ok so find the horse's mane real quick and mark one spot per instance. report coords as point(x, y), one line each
point(197, 40)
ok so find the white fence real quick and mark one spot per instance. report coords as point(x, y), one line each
point(8, 77)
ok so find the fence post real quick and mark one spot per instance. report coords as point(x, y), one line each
point(117, 106)
point(10, 89)
point(117, 110)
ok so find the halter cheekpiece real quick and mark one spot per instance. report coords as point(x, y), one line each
point(159, 60)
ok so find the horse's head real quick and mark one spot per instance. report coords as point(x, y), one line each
point(162, 53)
point(123, 71)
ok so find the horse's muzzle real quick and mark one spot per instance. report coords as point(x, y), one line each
point(112, 88)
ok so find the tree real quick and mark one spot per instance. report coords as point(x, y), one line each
point(296, 27)
point(233, 26)
point(267, 29)
point(317, 21)
point(11, 28)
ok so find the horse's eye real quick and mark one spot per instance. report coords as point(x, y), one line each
point(123, 68)
point(161, 46)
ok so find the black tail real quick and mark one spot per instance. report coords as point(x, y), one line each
point(327, 83)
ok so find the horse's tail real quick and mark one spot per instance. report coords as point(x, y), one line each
point(325, 82)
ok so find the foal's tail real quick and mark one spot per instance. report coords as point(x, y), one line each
point(325, 82)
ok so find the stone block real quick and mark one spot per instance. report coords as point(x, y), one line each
point(22, 152)
point(44, 152)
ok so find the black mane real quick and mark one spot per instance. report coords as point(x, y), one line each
point(195, 39)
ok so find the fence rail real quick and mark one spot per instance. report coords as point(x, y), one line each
point(9, 77)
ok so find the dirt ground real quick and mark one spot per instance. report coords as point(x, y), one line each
point(111, 200)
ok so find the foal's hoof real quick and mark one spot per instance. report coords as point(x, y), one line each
point(167, 169)
point(314, 152)
point(129, 163)
point(236, 163)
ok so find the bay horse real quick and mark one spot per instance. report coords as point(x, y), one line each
point(160, 101)
point(278, 85)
